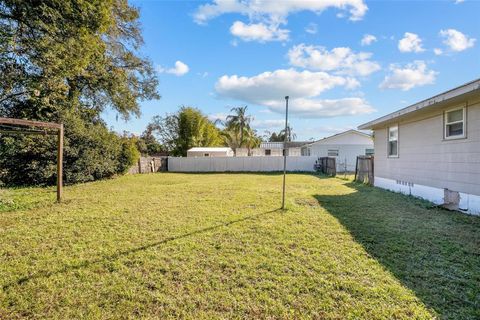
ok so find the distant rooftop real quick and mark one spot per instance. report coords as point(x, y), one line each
point(210, 149)
point(340, 134)
point(279, 145)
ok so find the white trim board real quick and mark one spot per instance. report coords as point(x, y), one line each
point(469, 203)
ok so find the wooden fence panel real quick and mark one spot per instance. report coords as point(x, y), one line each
point(364, 171)
point(326, 165)
point(150, 165)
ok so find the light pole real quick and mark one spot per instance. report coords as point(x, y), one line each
point(285, 151)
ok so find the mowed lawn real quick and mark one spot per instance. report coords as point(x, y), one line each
point(217, 246)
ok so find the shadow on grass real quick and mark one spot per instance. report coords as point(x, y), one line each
point(432, 251)
point(87, 263)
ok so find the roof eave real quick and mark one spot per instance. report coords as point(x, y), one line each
point(457, 92)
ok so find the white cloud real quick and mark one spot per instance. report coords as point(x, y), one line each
point(270, 86)
point(340, 60)
point(414, 74)
point(319, 132)
point(325, 108)
point(180, 69)
point(268, 124)
point(459, 1)
point(258, 32)
point(456, 40)
point(312, 28)
point(411, 42)
point(368, 39)
point(266, 16)
point(217, 116)
point(269, 89)
point(438, 51)
point(276, 11)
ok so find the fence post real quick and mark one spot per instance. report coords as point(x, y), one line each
point(60, 163)
point(372, 163)
point(356, 170)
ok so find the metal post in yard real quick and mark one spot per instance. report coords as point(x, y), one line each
point(285, 151)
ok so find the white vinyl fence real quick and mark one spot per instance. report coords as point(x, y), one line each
point(240, 164)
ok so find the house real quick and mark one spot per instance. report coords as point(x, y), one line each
point(431, 149)
point(345, 147)
point(210, 152)
point(273, 149)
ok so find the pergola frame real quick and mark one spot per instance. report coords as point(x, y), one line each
point(13, 125)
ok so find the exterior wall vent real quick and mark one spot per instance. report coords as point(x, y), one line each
point(451, 199)
point(405, 183)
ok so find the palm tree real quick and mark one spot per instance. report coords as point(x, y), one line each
point(239, 121)
point(290, 134)
point(252, 140)
point(231, 139)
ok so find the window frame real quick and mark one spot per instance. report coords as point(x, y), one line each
point(398, 141)
point(337, 151)
point(463, 121)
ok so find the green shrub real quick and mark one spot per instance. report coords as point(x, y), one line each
point(91, 152)
point(129, 155)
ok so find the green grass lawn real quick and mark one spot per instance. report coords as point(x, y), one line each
point(217, 246)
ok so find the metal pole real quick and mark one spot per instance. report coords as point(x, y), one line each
point(285, 152)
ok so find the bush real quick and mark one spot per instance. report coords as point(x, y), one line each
point(129, 154)
point(91, 152)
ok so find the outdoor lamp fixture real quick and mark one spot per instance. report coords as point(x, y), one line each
point(285, 151)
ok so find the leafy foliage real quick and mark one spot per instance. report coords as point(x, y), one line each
point(280, 136)
point(238, 132)
point(185, 129)
point(91, 152)
point(147, 144)
point(67, 61)
point(129, 155)
point(72, 54)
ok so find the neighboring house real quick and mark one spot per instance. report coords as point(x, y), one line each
point(210, 152)
point(431, 149)
point(345, 147)
point(273, 149)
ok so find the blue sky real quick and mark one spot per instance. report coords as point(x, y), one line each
point(214, 55)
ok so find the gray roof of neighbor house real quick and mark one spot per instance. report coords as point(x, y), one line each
point(279, 145)
point(451, 96)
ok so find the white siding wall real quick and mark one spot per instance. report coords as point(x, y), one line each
point(240, 164)
point(426, 158)
point(346, 153)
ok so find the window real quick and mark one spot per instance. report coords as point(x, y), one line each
point(454, 123)
point(333, 153)
point(305, 151)
point(369, 152)
point(268, 152)
point(393, 141)
point(206, 154)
